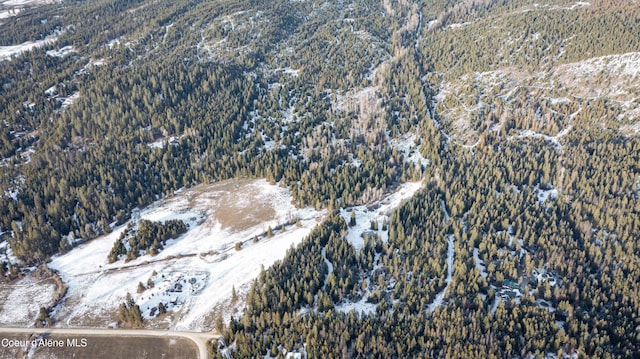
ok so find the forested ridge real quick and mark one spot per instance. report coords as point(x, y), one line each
point(592, 313)
point(91, 164)
point(525, 112)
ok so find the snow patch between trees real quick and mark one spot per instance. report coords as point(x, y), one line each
point(61, 52)
point(479, 263)
point(439, 300)
point(378, 212)
point(360, 307)
point(8, 52)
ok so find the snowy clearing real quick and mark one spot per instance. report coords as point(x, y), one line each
point(12, 193)
point(370, 221)
point(361, 307)
point(164, 141)
point(51, 91)
point(378, 212)
point(288, 71)
point(194, 273)
point(544, 195)
point(22, 301)
point(479, 263)
point(61, 52)
point(586, 78)
point(407, 145)
point(25, 2)
point(7, 52)
point(551, 139)
point(68, 101)
point(8, 13)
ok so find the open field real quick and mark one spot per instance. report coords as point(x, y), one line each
point(22, 299)
point(101, 343)
point(130, 347)
point(102, 347)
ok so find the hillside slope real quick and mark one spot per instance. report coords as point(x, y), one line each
point(520, 119)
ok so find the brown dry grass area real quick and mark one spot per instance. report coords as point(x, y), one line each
point(7, 352)
point(235, 204)
point(114, 348)
point(235, 215)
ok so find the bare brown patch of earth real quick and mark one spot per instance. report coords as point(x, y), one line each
point(7, 350)
point(235, 204)
point(244, 208)
point(96, 347)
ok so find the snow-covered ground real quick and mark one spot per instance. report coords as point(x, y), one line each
point(161, 142)
point(378, 212)
point(459, 25)
point(269, 144)
point(407, 145)
point(617, 80)
point(288, 71)
point(360, 307)
point(438, 301)
point(551, 139)
point(51, 91)
point(25, 2)
point(544, 195)
point(633, 129)
point(479, 263)
point(365, 215)
point(573, 355)
point(12, 193)
point(621, 73)
point(7, 52)
point(92, 62)
point(68, 101)
point(203, 261)
point(6, 254)
point(541, 275)
point(8, 13)
point(61, 52)
point(625, 66)
point(22, 300)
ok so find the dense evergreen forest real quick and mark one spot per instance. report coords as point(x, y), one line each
point(525, 110)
